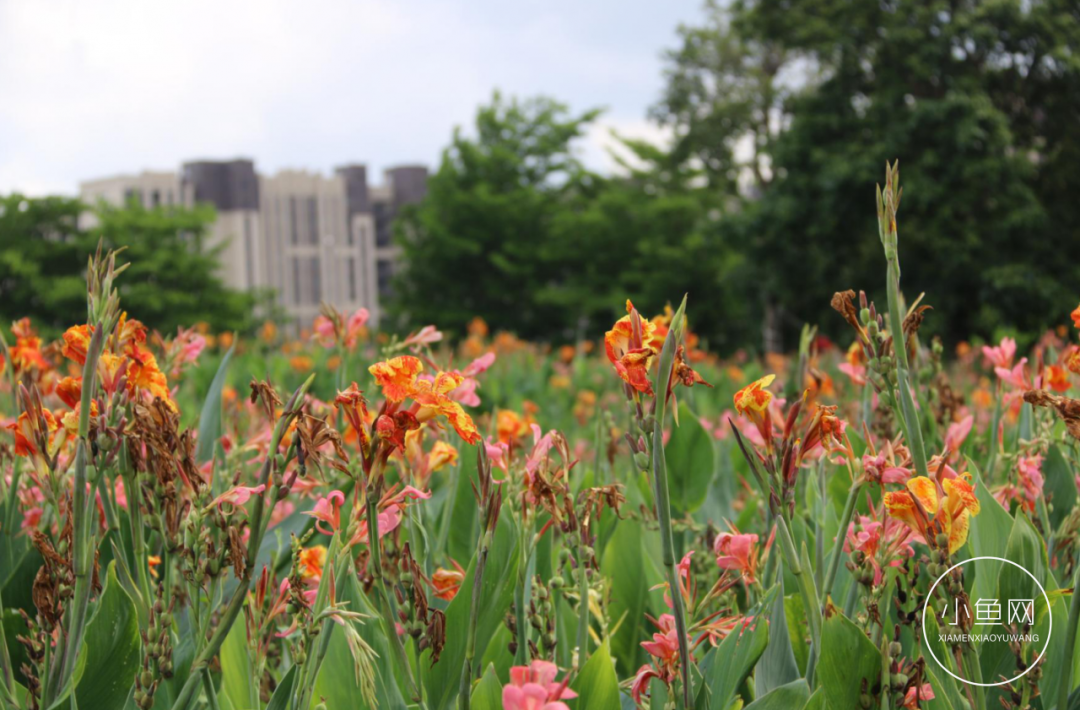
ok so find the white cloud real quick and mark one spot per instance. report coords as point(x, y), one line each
point(111, 86)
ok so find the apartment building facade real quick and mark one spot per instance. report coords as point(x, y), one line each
point(307, 236)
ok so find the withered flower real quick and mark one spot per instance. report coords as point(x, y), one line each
point(1067, 408)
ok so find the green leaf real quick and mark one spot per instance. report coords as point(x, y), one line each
point(336, 684)
point(1060, 488)
point(848, 658)
point(792, 696)
point(210, 418)
point(597, 685)
point(989, 535)
point(728, 665)
point(632, 574)
point(778, 667)
point(497, 591)
point(817, 701)
point(237, 683)
point(283, 694)
point(690, 462)
point(110, 653)
point(487, 695)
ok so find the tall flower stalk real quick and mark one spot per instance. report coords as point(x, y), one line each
point(663, 497)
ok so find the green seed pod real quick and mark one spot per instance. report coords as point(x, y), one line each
point(642, 460)
point(943, 541)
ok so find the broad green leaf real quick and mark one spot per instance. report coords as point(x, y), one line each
point(111, 650)
point(792, 696)
point(817, 701)
point(237, 683)
point(336, 684)
point(597, 685)
point(632, 575)
point(487, 695)
point(497, 591)
point(777, 667)
point(728, 665)
point(1060, 487)
point(795, 620)
point(690, 462)
point(283, 695)
point(210, 418)
point(462, 531)
point(989, 535)
point(848, 658)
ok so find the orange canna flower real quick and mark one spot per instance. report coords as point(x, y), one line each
point(144, 374)
point(630, 346)
point(441, 454)
point(397, 376)
point(1072, 360)
point(511, 426)
point(1076, 316)
point(70, 391)
point(26, 352)
point(29, 435)
point(753, 401)
point(447, 582)
point(950, 515)
point(1057, 378)
point(433, 398)
point(312, 561)
point(353, 407)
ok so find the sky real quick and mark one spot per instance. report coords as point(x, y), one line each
point(93, 89)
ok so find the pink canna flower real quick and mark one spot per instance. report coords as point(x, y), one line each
point(533, 687)
point(958, 432)
point(642, 679)
point(1015, 376)
point(499, 454)
point(238, 495)
point(1001, 355)
point(1029, 469)
point(737, 551)
point(915, 695)
point(426, 336)
point(665, 644)
point(328, 510)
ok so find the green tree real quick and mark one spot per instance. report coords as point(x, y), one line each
point(979, 102)
point(171, 282)
point(516, 231)
point(475, 245)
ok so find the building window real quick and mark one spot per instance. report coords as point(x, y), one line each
point(294, 227)
point(316, 280)
point(155, 198)
point(351, 266)
point(296, 281)
point(384, 219)
point(313, 220)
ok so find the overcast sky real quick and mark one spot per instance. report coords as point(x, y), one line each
point(91, 89)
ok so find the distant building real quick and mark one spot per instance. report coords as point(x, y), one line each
point(307, 236)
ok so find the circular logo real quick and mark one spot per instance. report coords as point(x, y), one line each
point(990, 621)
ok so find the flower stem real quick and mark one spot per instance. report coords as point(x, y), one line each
point(663, 501)
point(464, 696)
point(1065, 686)
point(838, 547)
point(236, 603)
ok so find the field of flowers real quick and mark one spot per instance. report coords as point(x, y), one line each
point(350, 520)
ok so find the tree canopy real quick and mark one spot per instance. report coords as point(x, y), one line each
point(782, 115)
point(171, 282)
